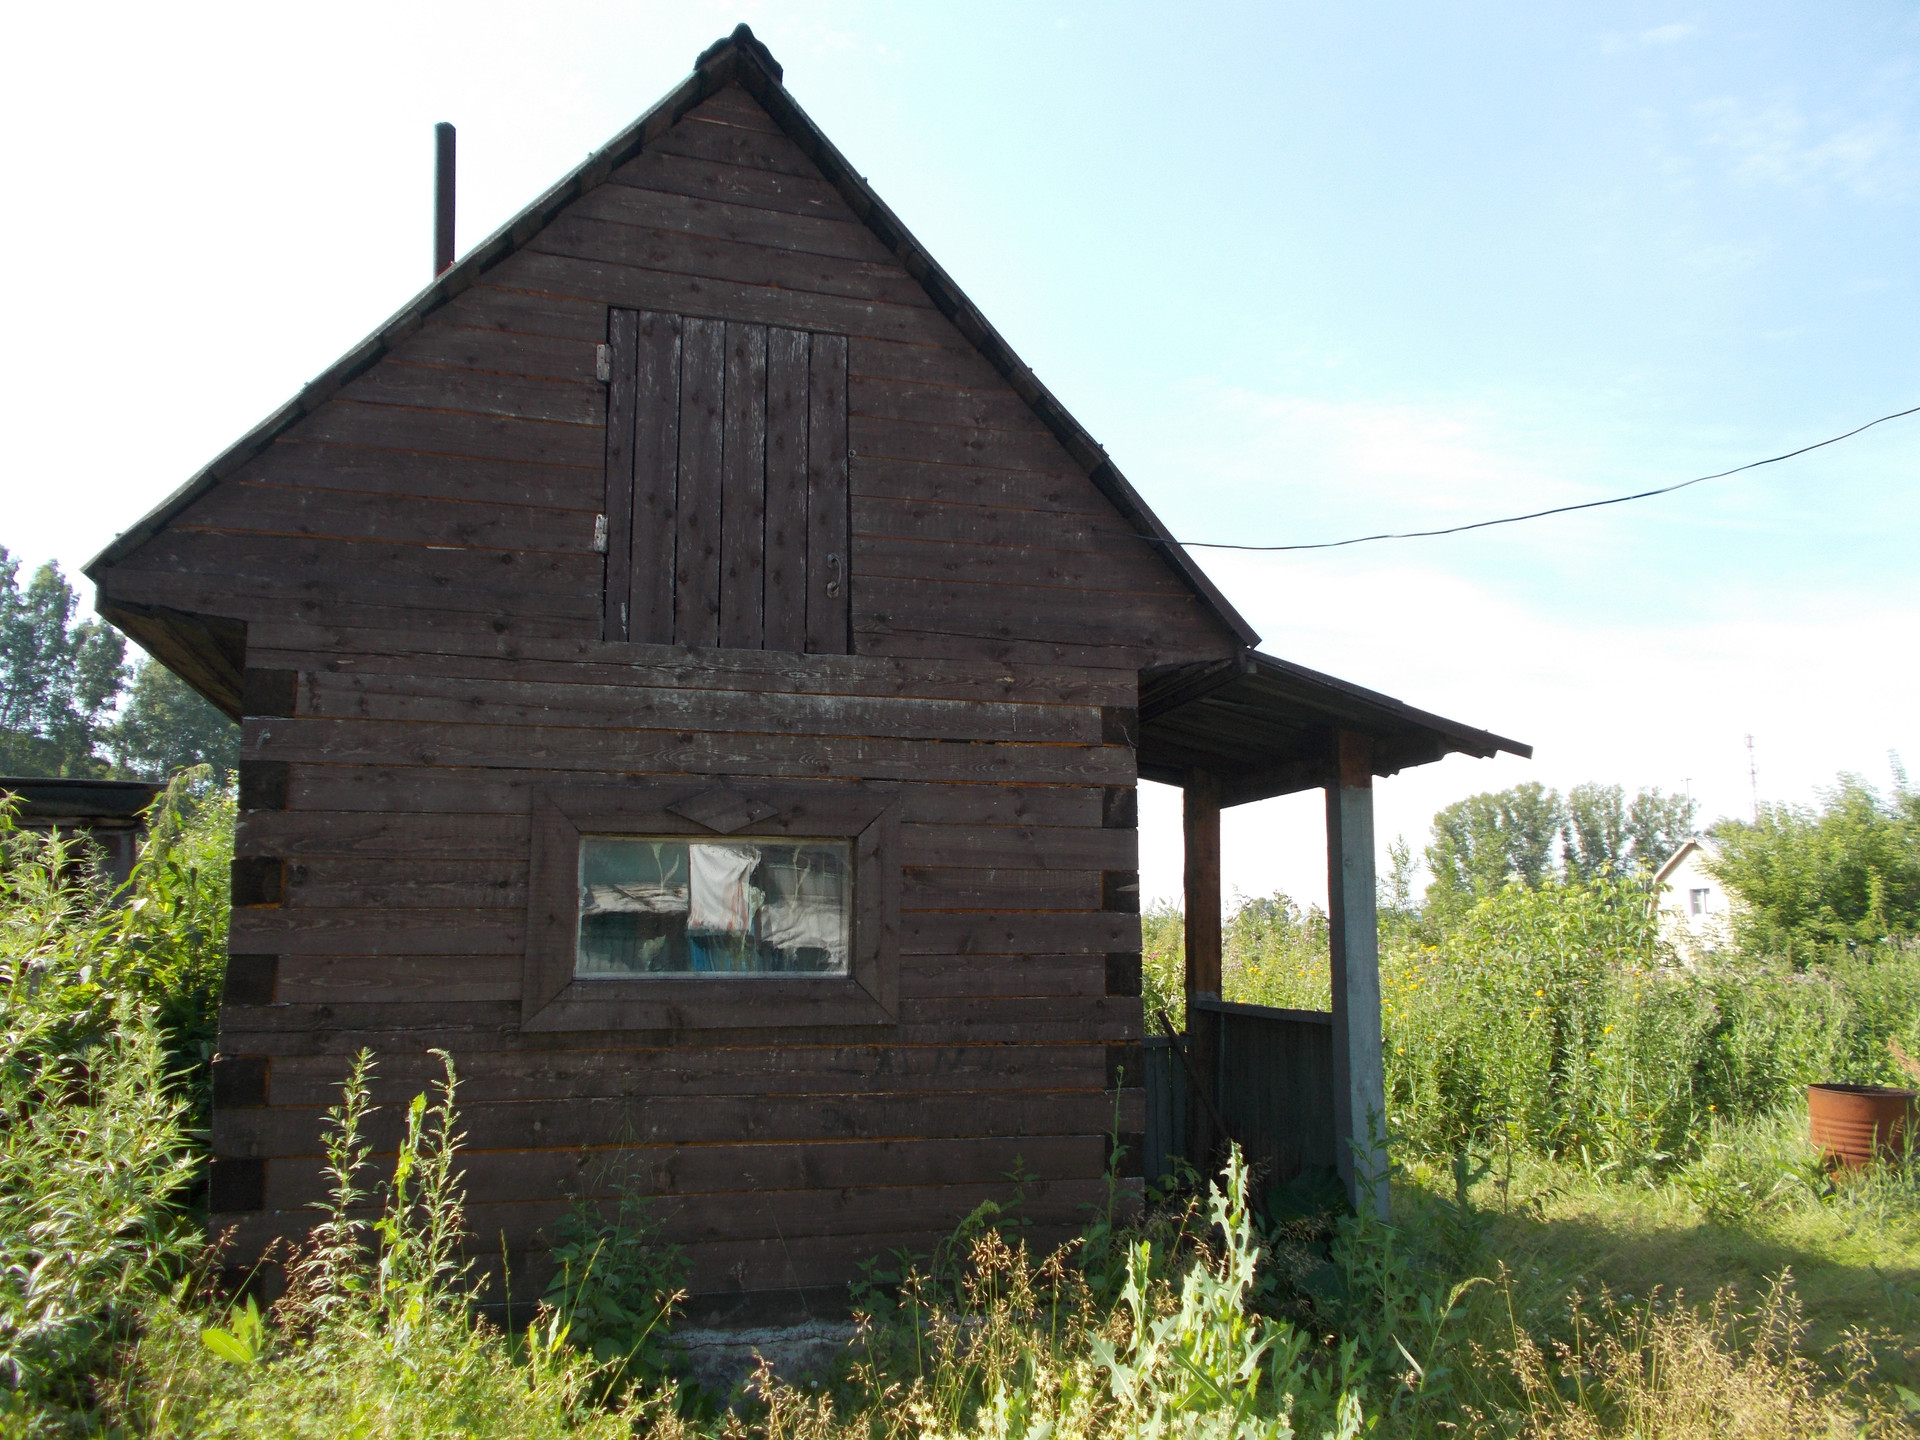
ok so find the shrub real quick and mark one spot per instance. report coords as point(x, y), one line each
point(375, 1336)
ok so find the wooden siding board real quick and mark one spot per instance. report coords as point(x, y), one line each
point(696, 617)
point(743, 506)
point(611, 282)
point(622, 402)
point(247, 507)
point(285, 1130)
point(650, 598)
point(631, 241)
point(478, 392)
point(829, 583)
point(694, 1070)
point(407, 651)
point(788, 358)
point(467, 701)
point(828, 237)
point(389, 789)
point(565, 749)
point(356, 472)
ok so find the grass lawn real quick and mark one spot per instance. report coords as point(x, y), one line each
point(1756, 1208)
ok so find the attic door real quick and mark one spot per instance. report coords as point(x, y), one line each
point(726, 484)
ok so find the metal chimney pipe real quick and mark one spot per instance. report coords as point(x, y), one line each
point(442, 198)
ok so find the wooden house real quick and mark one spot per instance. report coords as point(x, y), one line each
point(694, 674)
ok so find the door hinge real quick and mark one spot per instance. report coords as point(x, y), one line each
point(603, 363)
point(600, 534)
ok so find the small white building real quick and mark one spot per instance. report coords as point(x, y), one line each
point(1694, 908)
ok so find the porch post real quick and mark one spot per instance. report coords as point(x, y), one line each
point(1359, 1084)
point(1201, 824)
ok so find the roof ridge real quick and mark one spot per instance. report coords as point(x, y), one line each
point(741, 58)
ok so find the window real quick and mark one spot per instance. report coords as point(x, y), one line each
point(672, 906)
point(1698, 900)
point(702, 905)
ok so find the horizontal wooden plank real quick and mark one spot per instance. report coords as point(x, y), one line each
point(1055, 491)
point(312, 513)
point(696, 1069)
point(510, 582)
point(708, 135)
point(692, 1120)
point(563, 748)
point(489, 350)
point(400, 651)
point(263, 600)
point(295, 835)
point(623, 242)
point(875, 440)
point(457, 389)
point(450, 432)
point(361, 694)
point(519, 310)
point(970, 547)
point(415, 884)
point(989, 403)
point(1041, 979)
point(1065, 615)
point(739, 185)
point(420, 884)
point(411, 835)
point(467, 1028)
point(361, 470)
point(389, 789)
point(509, 1176)
point(1008, 888)
point(610, 283)
point(829, 236)
point(462, 939)
point(1024, 933)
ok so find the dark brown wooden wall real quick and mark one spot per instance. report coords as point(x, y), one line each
point(415, 563)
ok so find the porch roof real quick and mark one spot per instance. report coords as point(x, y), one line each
point(1268, 727)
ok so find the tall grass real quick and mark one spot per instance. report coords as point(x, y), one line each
point(1550, 1021)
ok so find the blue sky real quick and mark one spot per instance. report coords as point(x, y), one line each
point(1305, 271)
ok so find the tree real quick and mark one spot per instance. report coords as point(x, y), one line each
point(1658, 825)
point(58, 678)
point(168, 727)
point(1484, 841)
point(1531, 836)
point(1593, 832)
point(1845, 873)
point(1602, 834)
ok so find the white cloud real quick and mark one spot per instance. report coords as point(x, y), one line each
point(1778, 144)
point(1668, 34)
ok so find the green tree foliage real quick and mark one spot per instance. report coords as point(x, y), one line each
point(1843, 873)
point(167, 727)
point(1532, 835)
point(58, 677)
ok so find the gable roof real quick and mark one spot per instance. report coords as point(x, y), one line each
point(738, 59)
point(1700, 844)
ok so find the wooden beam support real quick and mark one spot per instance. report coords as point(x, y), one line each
point(1359, 1083)
point(1201, 823)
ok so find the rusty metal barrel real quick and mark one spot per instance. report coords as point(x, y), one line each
point(1857, 1124)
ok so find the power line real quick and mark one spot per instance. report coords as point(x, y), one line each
point(1539, 514)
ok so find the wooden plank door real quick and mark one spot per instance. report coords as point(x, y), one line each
point(726, 485)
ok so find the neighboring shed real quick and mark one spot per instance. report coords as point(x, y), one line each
point(111, 813)
point(1693, 905)
point(694, 673)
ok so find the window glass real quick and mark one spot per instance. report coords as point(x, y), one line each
point(714, 907)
